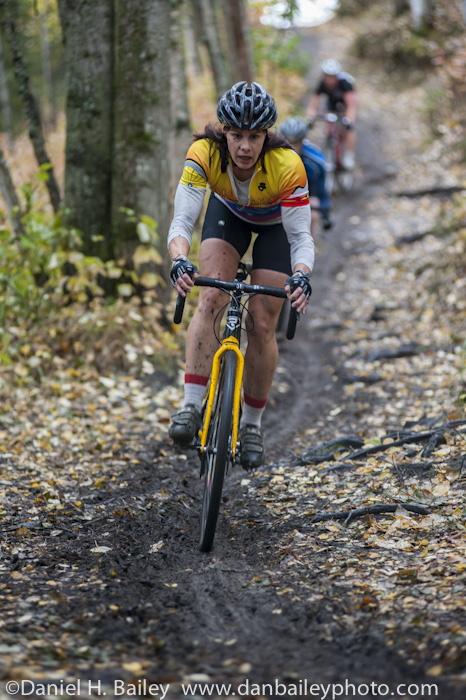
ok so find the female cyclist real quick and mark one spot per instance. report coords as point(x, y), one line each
point(258, 184)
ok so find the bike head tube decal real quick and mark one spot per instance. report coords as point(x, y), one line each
point(233, 322)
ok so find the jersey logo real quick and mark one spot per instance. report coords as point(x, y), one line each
point(261, 186)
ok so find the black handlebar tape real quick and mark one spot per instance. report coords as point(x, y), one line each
point(179, 308)
point(293, 318)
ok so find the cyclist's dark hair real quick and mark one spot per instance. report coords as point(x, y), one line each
point(217, 136)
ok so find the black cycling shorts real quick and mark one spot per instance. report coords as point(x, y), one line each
point(271, 250)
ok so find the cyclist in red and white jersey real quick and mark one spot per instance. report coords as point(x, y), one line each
point(258, 184)
point(341, 98)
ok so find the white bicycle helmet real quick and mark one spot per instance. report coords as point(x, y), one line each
point(293, 129)
point(247, 107)
point(330, 67)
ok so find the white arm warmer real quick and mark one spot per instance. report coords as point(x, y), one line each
point(297, 224)
point(188, 206)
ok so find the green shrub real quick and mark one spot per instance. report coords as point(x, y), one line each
point(44, 269)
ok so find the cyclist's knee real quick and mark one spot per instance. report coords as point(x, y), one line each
point(210, 301)
point(262, 330)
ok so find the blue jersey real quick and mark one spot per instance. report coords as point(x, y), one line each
point(314, 162)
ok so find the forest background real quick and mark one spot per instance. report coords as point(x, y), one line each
point(98, 102)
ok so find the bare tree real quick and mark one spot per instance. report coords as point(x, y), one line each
point(9, 23)
point(240, 49)
point(181, 136)
point(9, 195)
point(47, 68)
point(422, 13)
point(5, 109)
point(204, 11)
point(192, 30)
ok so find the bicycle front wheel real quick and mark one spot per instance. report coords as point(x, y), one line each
point(218, 449)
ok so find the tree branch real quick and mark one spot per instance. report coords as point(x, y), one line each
point(326, 451)
point(349, 515)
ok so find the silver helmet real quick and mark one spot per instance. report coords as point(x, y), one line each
point(247, 106)
point(330, 67)
point(293, 129)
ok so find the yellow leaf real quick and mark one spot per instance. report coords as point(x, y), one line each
point(441, 489)
point(22, 531)
point(285, 591)
point(435, 670)
point(21, 371)
point(134, 667)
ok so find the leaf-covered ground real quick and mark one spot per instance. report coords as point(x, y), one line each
point(322, 570)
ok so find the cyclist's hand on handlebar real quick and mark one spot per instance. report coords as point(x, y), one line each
point(183, 275)
point(298, 288)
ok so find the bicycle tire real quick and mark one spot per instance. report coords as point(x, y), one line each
point(218, 450)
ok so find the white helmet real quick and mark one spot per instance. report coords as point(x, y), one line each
point(330, 67)
point(293, 129)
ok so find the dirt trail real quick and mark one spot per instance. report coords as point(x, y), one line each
point(305, 363)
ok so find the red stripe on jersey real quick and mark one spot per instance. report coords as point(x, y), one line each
point(302, 202)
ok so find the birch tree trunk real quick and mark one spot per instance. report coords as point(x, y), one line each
point(9, 22)
point(142, 120)
point(88, 35)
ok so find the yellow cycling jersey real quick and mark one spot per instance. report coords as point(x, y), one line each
point(283, 182)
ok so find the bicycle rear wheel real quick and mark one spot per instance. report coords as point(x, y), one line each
point(218, 449)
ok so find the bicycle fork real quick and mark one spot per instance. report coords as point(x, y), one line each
point(230, 344)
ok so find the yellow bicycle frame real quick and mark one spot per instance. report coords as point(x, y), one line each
point(229, 344)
